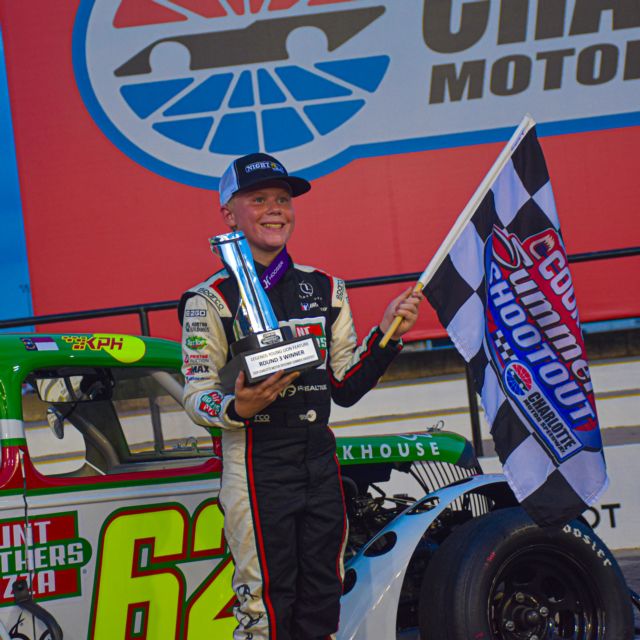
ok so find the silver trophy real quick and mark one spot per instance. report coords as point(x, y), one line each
point(266, 347)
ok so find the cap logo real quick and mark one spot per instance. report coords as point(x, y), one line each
point(264, 164)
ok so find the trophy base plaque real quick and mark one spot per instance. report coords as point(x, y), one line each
point(262, 354)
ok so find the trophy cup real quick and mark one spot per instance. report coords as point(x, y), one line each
point(267, 347)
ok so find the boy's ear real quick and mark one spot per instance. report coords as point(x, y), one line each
point(227, 216)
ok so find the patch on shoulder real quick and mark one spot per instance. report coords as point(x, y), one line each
point(339, 292)
point(210, 289)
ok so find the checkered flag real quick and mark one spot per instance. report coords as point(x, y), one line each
point(505, 295)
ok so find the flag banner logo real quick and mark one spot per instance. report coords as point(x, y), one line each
point(535, 340)
point(182, 86)
point(505, 295)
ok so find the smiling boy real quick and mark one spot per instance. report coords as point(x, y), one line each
point(281, 492)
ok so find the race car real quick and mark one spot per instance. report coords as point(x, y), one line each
point(110, 526)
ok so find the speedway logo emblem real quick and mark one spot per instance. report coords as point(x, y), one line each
point(183, 86)
point(536, 342)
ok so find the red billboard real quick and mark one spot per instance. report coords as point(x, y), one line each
point(126, 112)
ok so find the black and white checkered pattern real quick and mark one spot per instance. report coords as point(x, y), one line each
point(520, 202)
point(502, 346)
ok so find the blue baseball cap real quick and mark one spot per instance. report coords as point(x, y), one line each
point(251, 171)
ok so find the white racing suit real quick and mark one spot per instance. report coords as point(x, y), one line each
point(281, 493)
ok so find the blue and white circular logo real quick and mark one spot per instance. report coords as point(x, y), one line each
point(184, 86)
point(518, 379)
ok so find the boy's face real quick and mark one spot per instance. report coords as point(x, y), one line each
point(266, 218)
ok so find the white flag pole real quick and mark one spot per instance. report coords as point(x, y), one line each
point(454, 233)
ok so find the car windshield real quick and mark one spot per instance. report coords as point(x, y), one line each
point(105, 421)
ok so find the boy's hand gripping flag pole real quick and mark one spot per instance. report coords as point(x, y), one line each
point(465, 216)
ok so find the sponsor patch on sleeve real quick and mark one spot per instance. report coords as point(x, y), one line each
point(195, 313)
point(197, 343)
point(196, 372)
point(210, 404)
point(196, 326)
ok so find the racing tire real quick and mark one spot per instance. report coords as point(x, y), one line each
point(502, 577)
